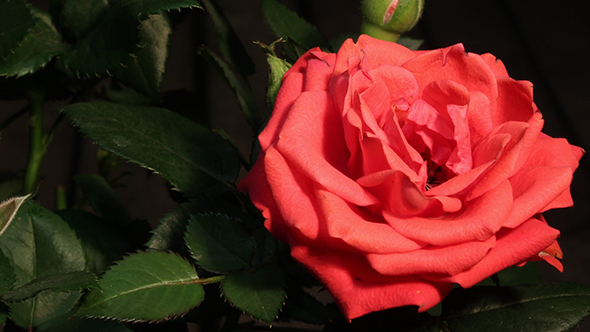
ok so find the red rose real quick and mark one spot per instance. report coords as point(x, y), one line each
point(393, 174)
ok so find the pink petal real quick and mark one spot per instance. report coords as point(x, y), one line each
point(360, 229)
point(313, 142)
point(448, 260)
point(359, 290)
point(495, 64)
point(479, 220)
point(534, 188)
point(512, 247)
point(515, 101)
point(260, 194)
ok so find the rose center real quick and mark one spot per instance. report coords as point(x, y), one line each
point(436, 175)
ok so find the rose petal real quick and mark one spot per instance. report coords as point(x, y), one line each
point(260, 194)
point(512, 247)
point(290, 190)
point(480, 219)
point(399, 196)
point(495, 64)
point(515, 101)
point(466, 69)
point(374, 53)
point(445, 260)
point(359, 228)
point(309, 139)
point(358, 289)
point(480, 118)
point(534, 188)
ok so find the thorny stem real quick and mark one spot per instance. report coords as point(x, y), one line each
point(210, 280)
point(38, 141)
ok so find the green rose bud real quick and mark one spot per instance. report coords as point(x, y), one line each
point(387, 19)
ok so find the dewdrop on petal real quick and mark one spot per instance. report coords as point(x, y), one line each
point(387, 19)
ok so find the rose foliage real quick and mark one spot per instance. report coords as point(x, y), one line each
point(393, 174)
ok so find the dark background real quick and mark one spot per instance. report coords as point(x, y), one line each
point(542, 41)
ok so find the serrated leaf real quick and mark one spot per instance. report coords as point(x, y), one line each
point(169, 234)
point(278, 68)
point(242, 93)
point(303, 307)
point(16, 21)
point(102, 243)
point(82, 16)
point(219, 243)
point(106, 47)
point(103, 199)
point(146, 286)
point(75, 324)
point(36, 49)
point(192, 158)
point(38, 243)
point(229, 44)
point(549, 307)
point(144, 8)
point(7, 276)
point(4, 313)
point(145, 72)
point(8, 210)
point(520, 275)
point(61, 282)
point(260, 293)
point(285, 23)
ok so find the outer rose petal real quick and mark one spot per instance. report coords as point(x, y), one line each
point(512, 247)
point(358, 289)
point(256, 185)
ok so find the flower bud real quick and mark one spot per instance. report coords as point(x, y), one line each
point(388, 19)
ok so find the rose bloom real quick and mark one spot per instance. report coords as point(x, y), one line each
point(393, 174)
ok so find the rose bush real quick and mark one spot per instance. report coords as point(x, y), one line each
point(393, 174)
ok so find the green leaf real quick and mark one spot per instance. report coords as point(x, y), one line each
point(103, 199)
point(229, 44)
point(106, 47)
point(38, 243)
point(36, 50)
point(303, 307)
point(260, 293)
point(145, 72)
point(102, 243)
point(192, 158)
point(8, 210)
point(144, 8)
point(146, 286)
point(520, 275)
point(278, 68)
point(82, 16)
point(219, 243)
point(7, 276)
point(75, 324)
point(4, 313)
point(242, 93)
point(62, 282)
point(169, 234)
point(549, 307)
point(16, 21)
point(285, 23)
point(114, 39)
